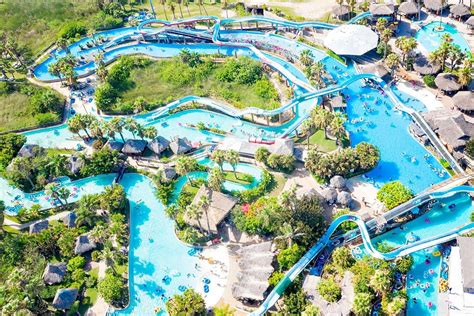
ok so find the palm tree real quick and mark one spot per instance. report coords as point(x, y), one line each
point(225, 4)
point(186, 4)
point(201, 3)
point(381, 281)
point(465, 73)
point(2, 217)
point(381, 25)
point(337, 126)
point(307, 129)
point(51, 189)
point(172, 8)
point(340, 2)
point(193, 211)
point(109, 256)
point(55, 69)
point(24, 168)
point(85, 216)
point(64, 193)
point(392, 62)
point(288, 233)
point(99, 233)
point(117, 227)
point(163, 4)
point(455, 56)
point(203, 205)
point(58, 165)
point(288, 199)
point(150, 132)
point(131, 125)
point(184, 165)
point(322, 119)
point(317, 70)
point(351, 4)
point(406, 45)
point(116, 125)
point(96, 129)
point(233, 158)
point(63, 44)
point(385, 38)
point(215, 180)
point(179, 6)
point(306, 58)
point(219, 157)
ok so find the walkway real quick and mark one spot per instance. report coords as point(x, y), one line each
point(17, 226)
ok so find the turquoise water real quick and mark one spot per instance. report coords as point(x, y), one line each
point(430, 38)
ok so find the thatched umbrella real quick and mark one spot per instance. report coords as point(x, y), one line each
point(424, 67)
point(330, 195)
point(447, 82)
point(435, 5)
point(344, 198)
point(464, 101)
point(381, 9)
point(470, 22)
point(460, 10)
point(341, 10)
point(64, 298)
point(338, 182)
point(408, 8)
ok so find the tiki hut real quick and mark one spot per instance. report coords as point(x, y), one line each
point(381, 9)
point(435, 5)
point(84, 244)
point(167, 173)
point(255, 267)
point(134, 147)
point(70, 220)
point(54, 273)
point(39, 226)
point(424, 67)
point(64, 298)
point(158, 145)
point(447, 82)
point(329, 195)
point(470, 22)
point(29, 151)
point(464, 101)
point(219, 206)
point(180, 146)
point(408, 8)
point(351, 40)
point(75, 164)
point(341, 11)
point(459, 10)
point(114, 145)
point(344, 198)
point(282, 146)
point(338, 102)
point(337, 182)
point(453, 130)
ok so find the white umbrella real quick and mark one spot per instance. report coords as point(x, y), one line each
point(351, 39)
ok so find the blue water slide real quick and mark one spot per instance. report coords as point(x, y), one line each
point(325, 240)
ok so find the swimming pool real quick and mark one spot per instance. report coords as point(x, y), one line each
point(430, 38)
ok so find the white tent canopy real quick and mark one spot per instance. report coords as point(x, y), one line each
point(351, 39)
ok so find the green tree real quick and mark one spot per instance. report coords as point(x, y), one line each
point(306, 58)
point(289, 234)
point(464, 73)
point(188, 303)
point(76, 263)
point(295, 302)
point(111, 288)
point(381, 281)
point(261, 155)
point(2, 217)
point(342, 258)
point(329, 290)
point(392, 61)
point(289, 256)
point(311, 310)
point(216, 179)
point(117, 125)
point(393, 194)
point(406, 45)
point(233, 158)
point(362, 305)
point(224, 310)
point(113, 199)
point(337, 126)
point(219, 157)
point(51, 189)
point(470, 148)
point(322, 119)
point(185, 165)
point(404, 263)
point(194, 211)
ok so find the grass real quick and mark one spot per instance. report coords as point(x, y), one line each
point(149, 83)
point(447, 166)
point(317, 139)
point(242, 178)
point(58, 151)
point(212, 9)
point(280, 181)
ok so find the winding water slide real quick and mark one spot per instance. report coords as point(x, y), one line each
point(325, 240)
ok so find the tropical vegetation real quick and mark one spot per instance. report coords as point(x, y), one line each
point(394, 193)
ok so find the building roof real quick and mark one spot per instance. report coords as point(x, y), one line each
point(255, 264)
point(158, 145)
point(435, 5)
point(378, 69)
point(344, 198)
point(425, 67)
point(470, 21)
point(180, 146)
point(70, 219)
point(54, 273)
point(466, 252)
point(341, 10)
point(447, 82)
point(114, 145)
point(75, 164)
point(39, 226)
point(338, 102)
point(29, 150)
point(459, 10)
point(64, 298)
point(464, 101)
point(351, 40)
point(381, 9)
point(452, 129)
point(338, 182)
point(408, 8)
point(168, 173)
point(219, 207)
point(134, 146)
point(84, 244)
point(281, 146)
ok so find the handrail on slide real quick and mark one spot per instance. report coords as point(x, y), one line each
point(291, 275)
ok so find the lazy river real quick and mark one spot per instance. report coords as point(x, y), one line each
point(371, 118)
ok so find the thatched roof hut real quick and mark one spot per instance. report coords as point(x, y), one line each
point(408, 8)
point(39, 226)
point(219, 207)
point(64, 298)
point(424, 67)
point(167, 173)
point(338, 182)
point(344, 198)
point(54, 273)
point(470, 22)
point(114, 145)
point(158, 145)
point(75, 164)
point(282, 146)
point(447, 82)
point(180, 146)
point(455, 130)
point(341, 11)
point(381, 9)
point(338, 102)
point(84, 244)
point(329, 195)
point(29, 150)
point(134, 147)
point(459, 10)
point(435, 5)
point(70, 219)
point(464, 101)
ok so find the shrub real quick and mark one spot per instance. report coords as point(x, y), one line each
point(264, 186)
point(285, 163)
point(275, 278)
point(470, 148)
point(72, 29)
point(261, 155)
point(46, 101)
point(329, 290)
point(362, 303)
point(111, 288)
point(76, 263)
point(188, 303)
point(289, 256)
point(345, 226)
point(429, 80)
point(103, 21)
point(105, 96)
point(393, 194)
point(10, 144)
point(404, 263)
point(44, 119)
point(101, 161)
point(295, 302)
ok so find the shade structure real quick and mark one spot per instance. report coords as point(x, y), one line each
point(381, 9)
point(447, 82)
point(464, 101)
point(459, 10)
point(351, 40)
point(470, 21)
point(341, 10)
point(424, 67)
point(435, 5)
point(408, 8)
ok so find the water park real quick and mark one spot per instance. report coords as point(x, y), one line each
point(237, 158)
